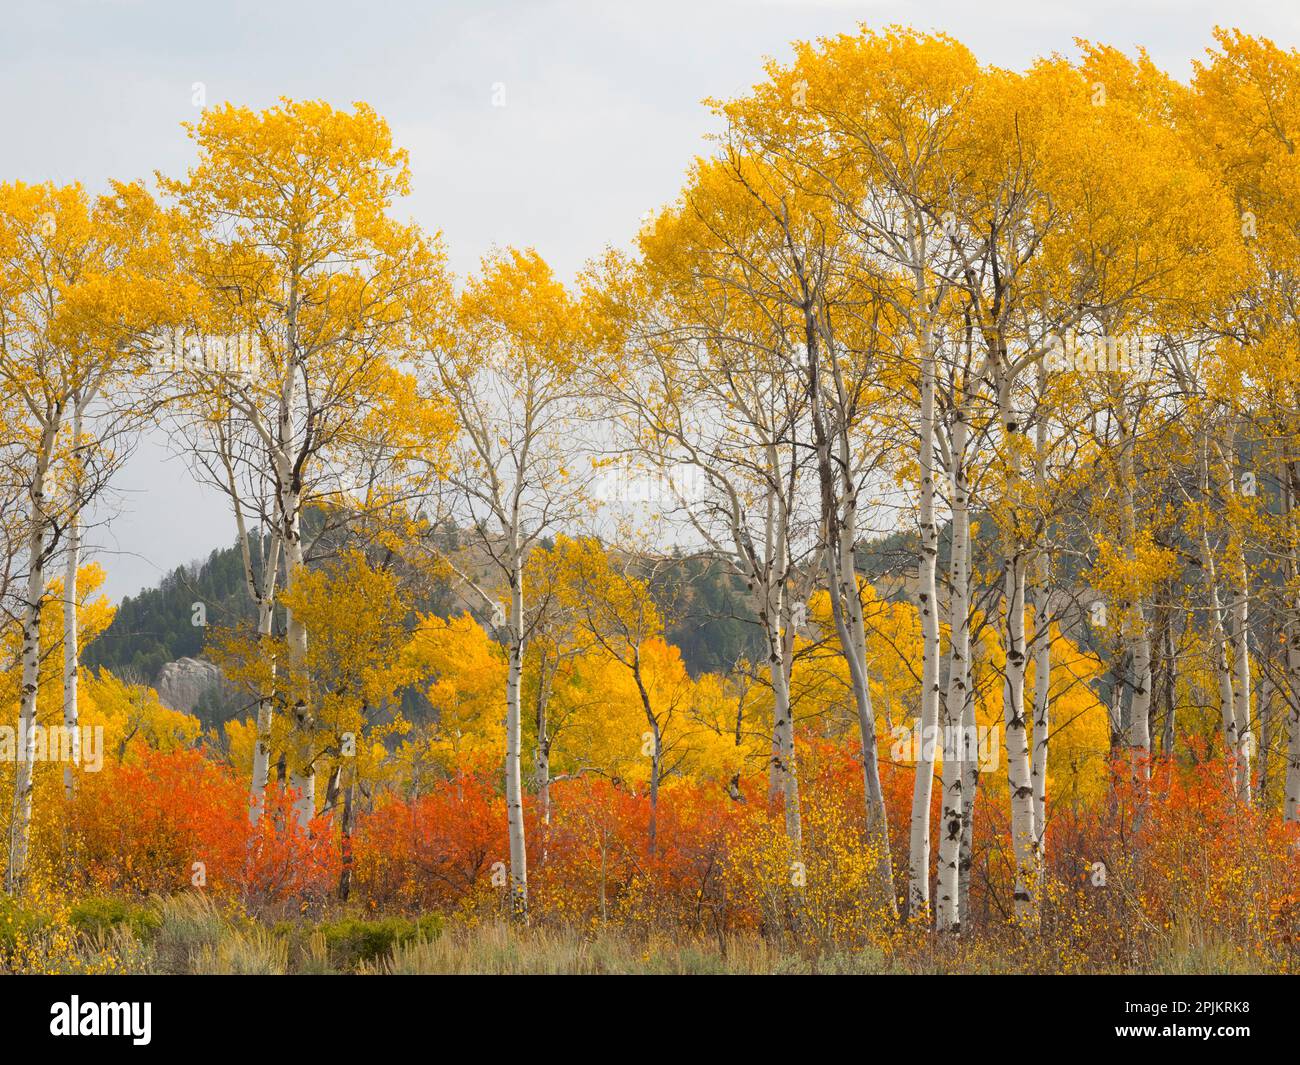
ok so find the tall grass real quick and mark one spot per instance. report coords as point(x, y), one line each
point(190, 934)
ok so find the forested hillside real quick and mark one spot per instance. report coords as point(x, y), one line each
point(158, 625)
point(713, 622)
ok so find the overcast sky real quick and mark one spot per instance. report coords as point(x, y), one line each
point(602, 115)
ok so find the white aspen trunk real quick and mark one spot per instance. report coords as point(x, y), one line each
point(918, 895)
point(1042, 709)
point(656, 750)
point(1115, 716)
point(853, 630)
point(262, 594)
point(787, 769)
point(1042, 645)
point(947, 917)
point(20, 821)
point(1240, 635)
point(1019, 782)
point(1139, 727)
point(1042, 704)
point(778, 624)
point(302, 778)
point(1223, 670)
point(1137, 637)
point(656, 767)
point(71, 635)
point(969, 787)
point(838, 533)
point(514, 782)
point(774, 782)
point(878, 813)
point(770, 618)
point(542, 761)
point(345, 831)
point(288, 469)
point(1219, 641)
point(1291, 783)
point(1171, 688)
point(1266, 718)
point(542, 781)
point(768, 573)
point(71, 663)
point(1241, 676)
point(265, 714)
point(1015, 724)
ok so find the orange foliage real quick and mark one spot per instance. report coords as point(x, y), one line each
point(1180, 854)
point(140, 827)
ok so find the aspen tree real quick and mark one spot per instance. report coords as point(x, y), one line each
point(1245, 115)
point(291, 246)
point(1047, 244)
point(228, 456)
point(891, 104)
point(711, 392)
point(959, 697)
point(507, 361)
point(556, 644)
point(621, 618)
point(841, 326)
point(77, 292)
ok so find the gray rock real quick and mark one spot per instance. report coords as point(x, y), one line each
point(181, 684)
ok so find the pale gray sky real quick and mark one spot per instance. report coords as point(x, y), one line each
point(602, 117)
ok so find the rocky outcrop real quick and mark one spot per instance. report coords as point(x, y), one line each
point(181, 684)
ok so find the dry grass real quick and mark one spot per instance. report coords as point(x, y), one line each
point(189, 934)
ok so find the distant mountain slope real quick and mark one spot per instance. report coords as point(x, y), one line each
point(708, 613)
point(157, 626)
